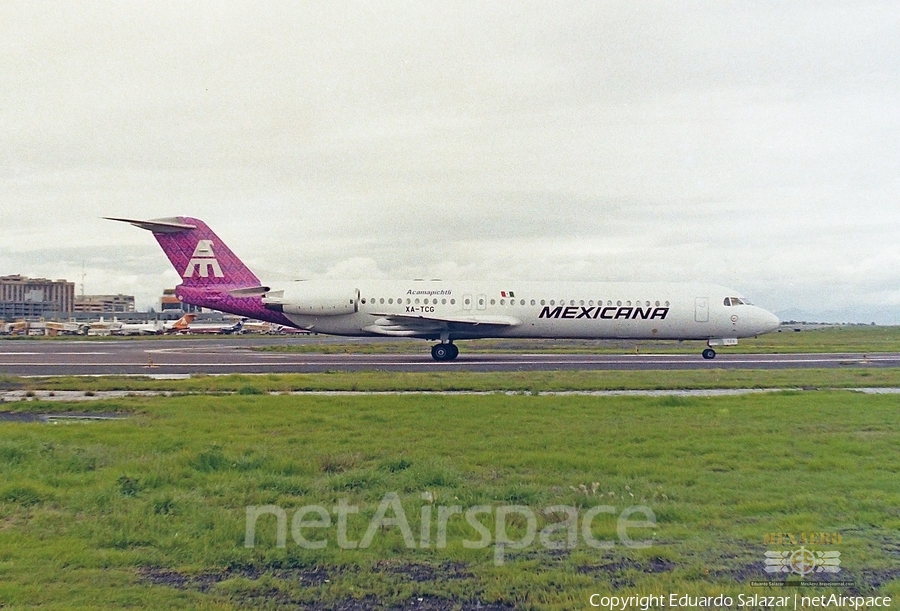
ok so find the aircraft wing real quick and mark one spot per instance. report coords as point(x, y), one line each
point(407, 325)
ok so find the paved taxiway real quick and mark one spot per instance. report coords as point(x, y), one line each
point(235, 355)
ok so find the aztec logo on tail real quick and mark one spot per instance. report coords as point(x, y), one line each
point(203, 261)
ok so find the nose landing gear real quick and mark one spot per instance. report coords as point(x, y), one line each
point(709, 353)
point(444, 352)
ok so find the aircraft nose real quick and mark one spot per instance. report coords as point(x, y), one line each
point(767, 322)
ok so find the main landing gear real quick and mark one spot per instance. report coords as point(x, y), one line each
point(709, 353)
point(444, 352)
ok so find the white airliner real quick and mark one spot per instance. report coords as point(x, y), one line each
point(156, 327)
point(225, 328)
point(447, 311)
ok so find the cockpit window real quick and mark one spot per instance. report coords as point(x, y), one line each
point(733, 301)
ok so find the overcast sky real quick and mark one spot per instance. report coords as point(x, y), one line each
point(751, 144)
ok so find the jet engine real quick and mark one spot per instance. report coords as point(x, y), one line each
point(309, 298)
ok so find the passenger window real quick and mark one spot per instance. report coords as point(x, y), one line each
point(453, 301)
point(532, 302)
point(391, 300)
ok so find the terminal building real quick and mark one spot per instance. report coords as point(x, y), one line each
point(33, 298)
point(22, 297)
point(104, 304)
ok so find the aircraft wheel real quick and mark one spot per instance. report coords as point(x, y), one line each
point(442, 352)
point(709, 353)
point(454, 352)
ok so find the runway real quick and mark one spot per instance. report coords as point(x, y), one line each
point(236, 355)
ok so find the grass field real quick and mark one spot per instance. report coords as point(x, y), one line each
point(150, 511)
point(533, 382)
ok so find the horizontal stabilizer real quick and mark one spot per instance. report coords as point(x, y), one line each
point(167, 225)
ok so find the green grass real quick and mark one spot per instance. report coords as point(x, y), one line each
point(852, 376)
point(111, 515)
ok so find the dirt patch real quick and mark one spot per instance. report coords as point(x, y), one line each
point(59, 416)
point(620, 571)
point(205, 580)
point(876, 578)
point(319, 576)
point(420, 573)
point(420, 603)
point(652, 565)
point(436, 603)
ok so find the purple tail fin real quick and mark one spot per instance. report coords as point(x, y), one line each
point(199, 256)
point(212, 276)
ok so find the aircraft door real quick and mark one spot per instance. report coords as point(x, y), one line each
point(701, 309)
point(482, 302)
point(467, 302)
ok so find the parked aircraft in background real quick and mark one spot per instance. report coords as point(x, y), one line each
point(55, 328)
point(180, 325)
point(447, 311)
point(19, 327)
point(154, 327)
point(216, 327)
point(267, 328)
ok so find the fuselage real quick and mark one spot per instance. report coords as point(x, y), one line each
point(589, 310)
